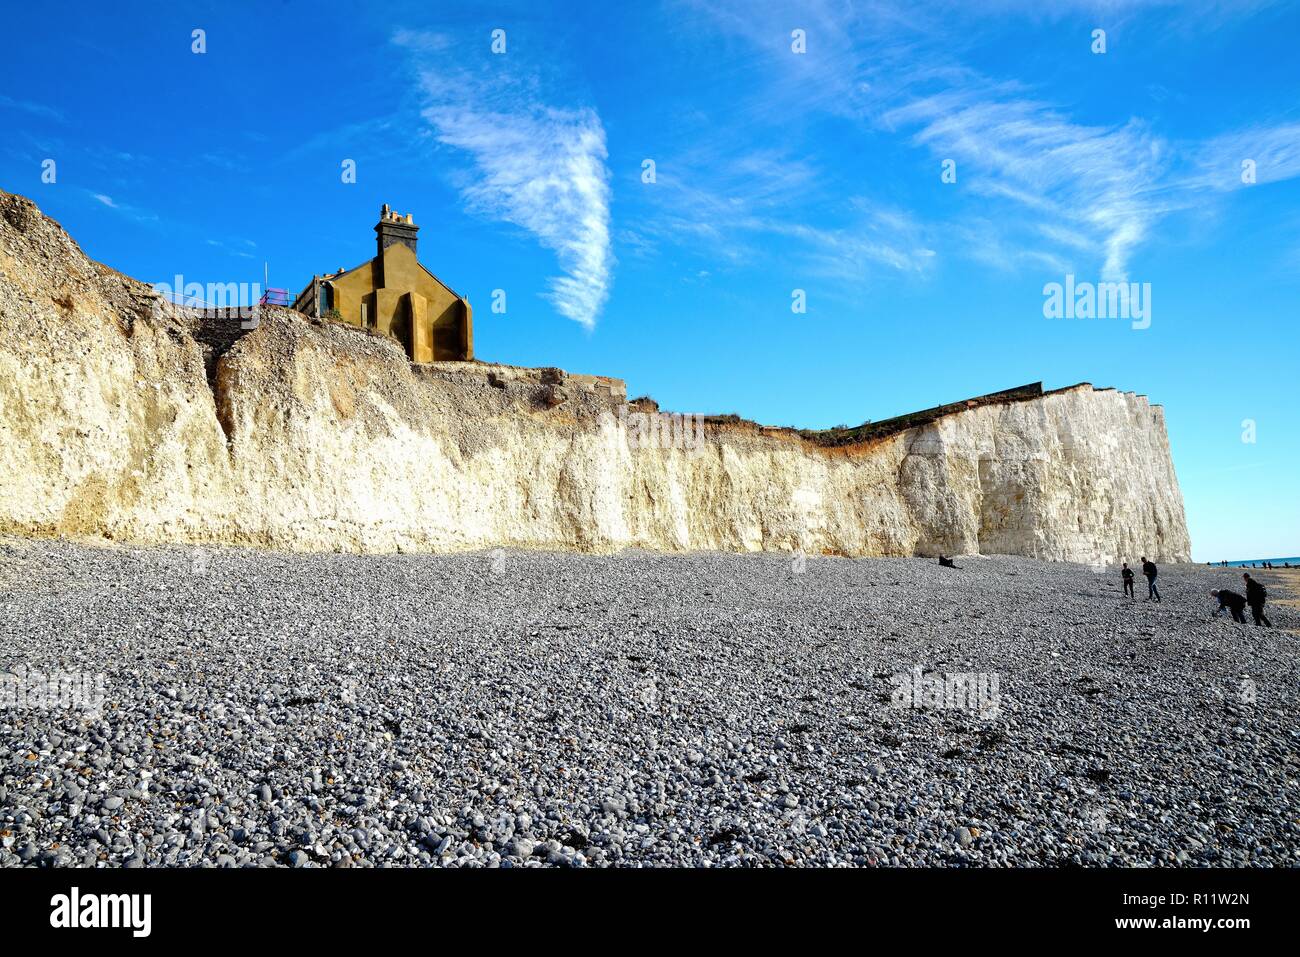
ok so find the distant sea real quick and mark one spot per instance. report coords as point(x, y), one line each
point(1277, 562)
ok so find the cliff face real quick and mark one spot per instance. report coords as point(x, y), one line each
point(311, 436)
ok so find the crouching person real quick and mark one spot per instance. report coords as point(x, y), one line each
point(1232, 601)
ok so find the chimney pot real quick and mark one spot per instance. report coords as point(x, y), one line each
point(394, 227)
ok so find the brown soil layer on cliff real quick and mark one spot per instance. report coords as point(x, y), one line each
point(868, 434)
point(869, 431)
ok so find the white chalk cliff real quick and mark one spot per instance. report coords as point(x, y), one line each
point(316, 436)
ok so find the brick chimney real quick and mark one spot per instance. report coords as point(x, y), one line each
point(394, 228)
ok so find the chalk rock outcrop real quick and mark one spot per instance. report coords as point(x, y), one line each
point(117, 421)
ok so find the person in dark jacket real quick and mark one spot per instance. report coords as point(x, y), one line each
point(1149, 570)
point(1127, 574)
point(1232, 601)
point(1255, 596)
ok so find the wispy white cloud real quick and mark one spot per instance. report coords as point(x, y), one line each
point(731, 205)
point(1091, 185)
point(370, 136)
point(31, 108)
point(1274, 151)
point(716, 200)
point(535, 164)
point(1052, 189)
point(1091, 190)
point(240, 248)
point(542, 169)
point(421, 41)
point(875, 237)
point(131, 212)
point(985, 241)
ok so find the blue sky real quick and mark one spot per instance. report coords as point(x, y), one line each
point(775, 171)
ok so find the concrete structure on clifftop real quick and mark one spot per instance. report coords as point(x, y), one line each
point(395, 295)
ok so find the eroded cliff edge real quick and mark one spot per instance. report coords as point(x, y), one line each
point(314, 436)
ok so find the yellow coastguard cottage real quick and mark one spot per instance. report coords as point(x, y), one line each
point(393, 294)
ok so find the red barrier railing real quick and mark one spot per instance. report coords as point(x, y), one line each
point(276, 297)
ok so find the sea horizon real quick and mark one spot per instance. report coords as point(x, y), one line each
point(1248, 562)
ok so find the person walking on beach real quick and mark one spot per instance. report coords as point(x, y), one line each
point(1232, 601)
point(1150, 571)
point(1255, 596)
point(1127, 574)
